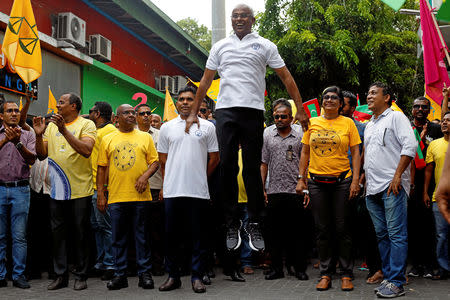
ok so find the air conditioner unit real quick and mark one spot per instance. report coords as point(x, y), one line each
point(71, 29)
point(100, 48)
point(165, 81)
point(179, 82)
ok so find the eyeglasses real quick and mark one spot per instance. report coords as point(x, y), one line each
point(332, 97)
point(421, 106)
point(143, 113)
point(283, 117)
point(243, 16)
point(92, 110)
point(129, 112)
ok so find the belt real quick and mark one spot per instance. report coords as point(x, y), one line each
point(22, 182)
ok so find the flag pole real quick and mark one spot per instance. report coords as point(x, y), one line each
point(439, 33)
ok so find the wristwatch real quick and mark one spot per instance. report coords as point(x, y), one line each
point(299, 177)
point(19, 145)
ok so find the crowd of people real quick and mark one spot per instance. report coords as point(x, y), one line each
point(217, 186)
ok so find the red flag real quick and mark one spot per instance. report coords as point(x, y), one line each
point(312, 107)
point(433, 58)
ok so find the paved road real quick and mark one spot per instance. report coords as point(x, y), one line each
point(222, 288)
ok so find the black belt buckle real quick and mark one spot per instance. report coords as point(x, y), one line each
point(23, 182)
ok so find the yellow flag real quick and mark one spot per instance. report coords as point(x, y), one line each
point(21, 44)
point(170, 111)
point(213, 91)
point(395, 107)
point(20, 104)
point(51, 102)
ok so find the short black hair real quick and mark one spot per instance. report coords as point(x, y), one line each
point(104, 108)
point(352, 98)
point(75, 99)
point(2, 105)
point(385, 88)
point(422, 98)
point(338, 91)
point(142, 105)
point(187, 88)
point(283, 102)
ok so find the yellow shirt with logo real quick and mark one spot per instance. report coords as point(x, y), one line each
point(102, 132)
point(128, 155)
point(77, 168)
point(436, 153)
point(329, 141)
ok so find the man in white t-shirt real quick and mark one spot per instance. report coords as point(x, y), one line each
point(185, 167)
point(241, 60)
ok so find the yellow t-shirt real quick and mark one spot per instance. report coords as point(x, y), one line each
point(128, 155)
point(329, 141)
point(102, 132)
point(242, 193)
point(77, 168)
point(436, 153)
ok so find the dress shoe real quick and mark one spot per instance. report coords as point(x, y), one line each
point(3, 283)
point(170, 284)
point(301, 276)
point(376, 278)
point(146, 281)
point(198, 286)
point(117, 283)
point(21, 282)
point(346, 284)
point(107, 275)
point(247, 270)
point(59, 283)
point(236, 276)
point(324, 283)
point(206, 280)
point(274, 275)
point(79, 285)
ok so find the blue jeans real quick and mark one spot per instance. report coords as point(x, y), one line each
point(101, 224)
point(246, 251)
point(389, 217)
point(442, 229)
point(14, 204)
point(126, 216)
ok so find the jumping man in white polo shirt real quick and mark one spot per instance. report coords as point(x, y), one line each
point(185, 168)
point(241, 61)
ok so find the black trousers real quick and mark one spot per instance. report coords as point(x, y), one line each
point(156, 231)
point(286, 231)
point(240, 126)
point(331, 209)
point(63, 213)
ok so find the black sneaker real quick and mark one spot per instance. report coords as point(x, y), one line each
point(234, 236)
point(255, 238)
point(21, 282)
point(146, 281)
point(414, 272)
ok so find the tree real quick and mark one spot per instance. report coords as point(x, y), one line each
point(200, 33)
point(349, 43)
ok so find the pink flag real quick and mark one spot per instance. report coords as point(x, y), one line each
point(433, 56)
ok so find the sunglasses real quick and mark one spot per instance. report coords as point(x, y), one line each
point(143, 113)
point(332, 97)
point(418, 106)
point(283, 117)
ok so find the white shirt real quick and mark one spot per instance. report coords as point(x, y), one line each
point(155, 182)
point(386, 139)
point(241, 65)
point(187, 157)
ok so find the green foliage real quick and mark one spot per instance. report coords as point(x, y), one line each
point(200, 33)
point(349, 43)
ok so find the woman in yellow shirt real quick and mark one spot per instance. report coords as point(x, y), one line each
point(330, 184)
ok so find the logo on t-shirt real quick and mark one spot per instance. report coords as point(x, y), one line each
point(198, 133)
point(124, 156)
point(256, 46)
point(325, 142)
